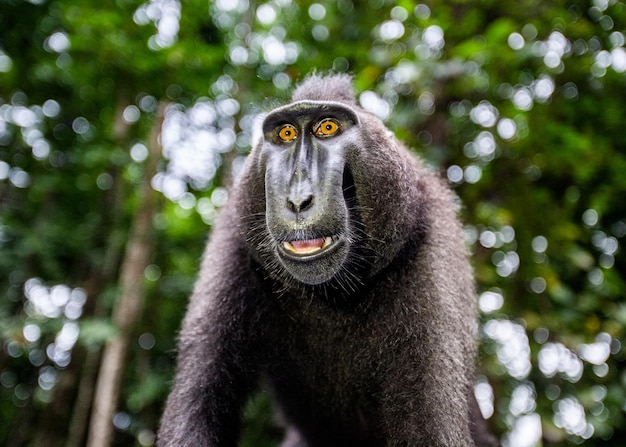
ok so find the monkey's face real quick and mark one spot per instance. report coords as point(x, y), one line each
point(308, 187)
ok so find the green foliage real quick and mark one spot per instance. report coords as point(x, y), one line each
point(522, 108)
point(95, 332)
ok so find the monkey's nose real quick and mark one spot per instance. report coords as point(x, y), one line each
point(299, 204)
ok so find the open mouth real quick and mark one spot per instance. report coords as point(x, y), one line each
point(309, 247)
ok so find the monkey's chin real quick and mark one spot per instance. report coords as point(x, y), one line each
point(313, 261)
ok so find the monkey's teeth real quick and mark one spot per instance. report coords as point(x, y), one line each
point(308, 247)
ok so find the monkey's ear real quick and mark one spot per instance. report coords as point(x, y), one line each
point(257, 129)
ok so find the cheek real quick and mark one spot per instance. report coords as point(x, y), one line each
point(275, 188)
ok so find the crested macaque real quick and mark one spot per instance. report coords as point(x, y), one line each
point(337, 277)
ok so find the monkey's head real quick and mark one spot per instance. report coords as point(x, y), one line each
point(328, 174)
point(308, 186)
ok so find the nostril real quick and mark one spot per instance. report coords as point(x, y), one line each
point(306, 204)
point(299, 205)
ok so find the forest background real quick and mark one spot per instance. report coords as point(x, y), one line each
point(122, 122)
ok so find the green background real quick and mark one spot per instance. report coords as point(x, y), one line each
point(521, 106)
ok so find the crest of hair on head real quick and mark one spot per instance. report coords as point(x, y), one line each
point(337, 88)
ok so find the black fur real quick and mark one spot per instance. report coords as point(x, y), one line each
point(370, 343)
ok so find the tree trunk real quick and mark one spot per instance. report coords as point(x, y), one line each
point(127, 310)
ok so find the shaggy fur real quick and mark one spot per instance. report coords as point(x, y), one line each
point(380, 354)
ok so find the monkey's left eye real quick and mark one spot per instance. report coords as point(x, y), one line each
point(287, 133)
point(326, 128)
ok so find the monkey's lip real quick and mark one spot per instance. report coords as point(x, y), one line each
point(307, 248)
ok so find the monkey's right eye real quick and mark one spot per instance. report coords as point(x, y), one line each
point(287, 133)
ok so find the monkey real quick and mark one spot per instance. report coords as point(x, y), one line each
point(336, 276)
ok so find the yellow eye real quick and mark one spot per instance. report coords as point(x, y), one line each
point(326, 128)
point(287, 133)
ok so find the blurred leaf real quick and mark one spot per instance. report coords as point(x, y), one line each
point(96, 331)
